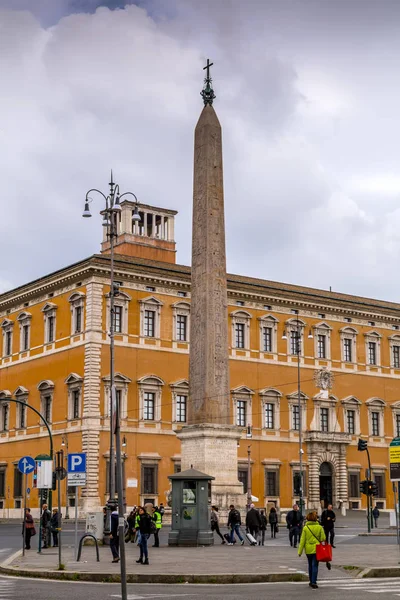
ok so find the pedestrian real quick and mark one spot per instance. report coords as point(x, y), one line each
point(215, 523)
point(273, 521)
point(114, 538)
point(158, 525)
point(253, 521)
point(234, 523)
point(263, 527)
point(293, 520)
point(29, 528)
point(312, 534)
point(54, 527)
point(45, 525)
point(130, 536)
point(375, 514)
point(161, 510)
point(328, 519)
point(144, 525)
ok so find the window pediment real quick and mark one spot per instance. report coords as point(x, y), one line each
point(182, 383)
point(45, 385)
point(24, 316)
point(73, 378)
point(295, 323)
point(294, 396)
point(395, 405)
point(323, 326)
point(49, 306)
point(377, 402)
point(151, 380)
point(394, 338)
point(331, 399)
point(7, 324)
point(242, 390)
point(118, 378)
point(151, 300)
point(349, 331)
point(4, 394)
point(122, 296)
point(270, 392)
point(268, 319)
point(373, 334)
point(181, 305)
point(352, 400)
point(76, 296)
point(21, 391)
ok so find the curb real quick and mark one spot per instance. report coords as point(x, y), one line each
point(377, 534)
point(228, 578)
point(374, 572)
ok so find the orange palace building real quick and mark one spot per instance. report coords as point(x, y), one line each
point(55, 357)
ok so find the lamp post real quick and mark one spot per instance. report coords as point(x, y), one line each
point(249, 436)
point(64, 444)
point(110, 222)
point(296, 349)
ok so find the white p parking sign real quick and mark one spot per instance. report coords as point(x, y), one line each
point(77, 469)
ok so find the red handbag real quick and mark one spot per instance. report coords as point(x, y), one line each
point(323, 550)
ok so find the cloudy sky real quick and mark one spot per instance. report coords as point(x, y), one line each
point(308, 96)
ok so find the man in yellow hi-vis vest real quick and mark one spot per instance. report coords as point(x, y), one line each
point(158, 523)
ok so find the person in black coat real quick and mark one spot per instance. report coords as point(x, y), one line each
point(263, 527)
point(29, 528)
point(145, 528)
point(328, 519)
point(54, 527)
point(253, 521)
point(294, 522)
point(114, 538)
point(273, 521)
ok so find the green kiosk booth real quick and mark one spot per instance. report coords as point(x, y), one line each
point(191, 499)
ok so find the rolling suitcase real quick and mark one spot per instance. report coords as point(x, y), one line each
point(252, 540)
point(227, 538)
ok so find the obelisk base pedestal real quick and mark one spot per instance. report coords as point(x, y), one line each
point(212, 449)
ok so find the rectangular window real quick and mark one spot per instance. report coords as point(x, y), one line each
point(296, 417)
point(354, 485)
point(75, 403)
point(8, 343)
point(25, 337)
point(17, 482)
point(348, 350)
point(50, 329)
point(351, 421)
point(271, 483)
point(22, 416)
point(47, 408)
point(269, 415)
point(239, 335)
point(380, 482)
point(324, 419)
point(321, 346)
point(398, 425)
point(267, 339)
point(372, 353)
point(294, 343)
point(181, 408)
point(396, 357)
point(2, 483)
point(149, 479)
point(148, 408)
point(243, 478)
point(181, 328)
point(375, 423)
point(118, 319)
point(177, 468)
point(5, 411)
point(78, 319)
point(241, 413)
point(149, 323)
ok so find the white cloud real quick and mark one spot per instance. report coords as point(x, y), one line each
point(308, 152)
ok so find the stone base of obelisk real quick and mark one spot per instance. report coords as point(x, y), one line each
point(212, 449)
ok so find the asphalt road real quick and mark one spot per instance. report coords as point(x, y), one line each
point(349, 589)
point(11, 537)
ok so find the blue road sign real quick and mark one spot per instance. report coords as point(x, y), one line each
point(28, 491)
point(26, 464)
point(77, 463)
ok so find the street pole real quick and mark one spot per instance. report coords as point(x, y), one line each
point(59, 470)
point(298, 348)
point(76, 522)
point(121, 521)
point(369, 498)
point(248, 477)
point(65, 443)
point(24, 525)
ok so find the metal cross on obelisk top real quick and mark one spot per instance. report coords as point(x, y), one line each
point(207, 92)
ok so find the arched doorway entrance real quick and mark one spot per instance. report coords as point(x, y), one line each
point(325, 484)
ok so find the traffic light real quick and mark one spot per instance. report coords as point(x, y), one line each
point(54, 486)
point(373, 488)
point(362, 445)
point(364, 487)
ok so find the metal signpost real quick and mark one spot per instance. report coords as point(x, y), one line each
point(44, 483)
point(26, 465)
point(394, 473)
point(76, 477)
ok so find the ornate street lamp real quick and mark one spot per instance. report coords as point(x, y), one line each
point(110, 221)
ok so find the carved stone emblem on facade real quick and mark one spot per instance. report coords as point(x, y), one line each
point(323, 379)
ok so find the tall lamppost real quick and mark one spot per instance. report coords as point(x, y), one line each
point(64, 444)
point(111, 214)
point(296, 349)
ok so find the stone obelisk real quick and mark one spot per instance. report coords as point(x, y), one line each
point(209, 441)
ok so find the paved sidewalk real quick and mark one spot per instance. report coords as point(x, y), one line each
point(216, 564)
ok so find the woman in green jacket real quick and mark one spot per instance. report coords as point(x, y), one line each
point(312, 535)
